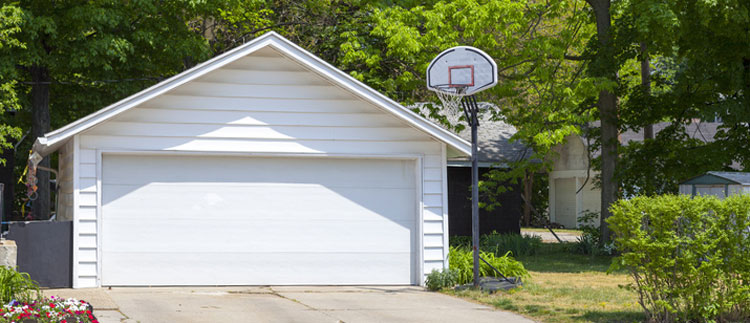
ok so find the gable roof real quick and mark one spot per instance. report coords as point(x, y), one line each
point(496, 149)
point(53, 140)
point(720, 178)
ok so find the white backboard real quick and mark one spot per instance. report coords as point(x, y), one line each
point(463, 67)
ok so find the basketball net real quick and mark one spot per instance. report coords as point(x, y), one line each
point(451, 98)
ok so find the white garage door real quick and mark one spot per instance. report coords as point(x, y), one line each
point(187, 220)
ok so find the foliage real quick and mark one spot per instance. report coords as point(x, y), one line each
point(516, 244)
point(444, 278)
point(76, 57)
point(460, 241)
point(10, 26)
point(688, 256)
point(48, 310)
point(699, 52)
point(462, 262)
point(18, 286)
point(499, 244)
point(540, 92)
point(589, 243)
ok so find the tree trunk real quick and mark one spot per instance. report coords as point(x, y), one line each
point(607, 105)
point(528, 189)
point(648, 130)
point(39, 126)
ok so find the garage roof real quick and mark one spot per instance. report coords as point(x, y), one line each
point(720, 178)
point(53, 140)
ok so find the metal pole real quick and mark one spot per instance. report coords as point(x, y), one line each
point(471, 109)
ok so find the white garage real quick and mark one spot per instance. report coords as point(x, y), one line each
point(262, 166)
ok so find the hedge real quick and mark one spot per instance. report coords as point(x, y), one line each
point(689, 257)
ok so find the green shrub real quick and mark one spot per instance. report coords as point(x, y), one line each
point(589, 242)
point(437, 280)
point(462, 262)
point(516, 244)
point(586, 244)
point(460, 241)
point(16, 286)
point(689, 257)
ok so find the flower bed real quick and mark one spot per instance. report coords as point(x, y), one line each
point(48, 310)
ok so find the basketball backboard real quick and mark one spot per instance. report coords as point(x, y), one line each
point(461, 70)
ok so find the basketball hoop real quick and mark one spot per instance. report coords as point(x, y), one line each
point(456, 73)
point(451, 97)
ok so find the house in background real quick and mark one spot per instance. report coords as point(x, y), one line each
point(571, 171)
point(719, 184)
point(262, 166)
point(572, 192)
point(496, 150)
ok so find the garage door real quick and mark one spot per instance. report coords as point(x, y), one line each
point(187, 220)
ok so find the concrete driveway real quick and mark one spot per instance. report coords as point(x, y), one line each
point(282, 304)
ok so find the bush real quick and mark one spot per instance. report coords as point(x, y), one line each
point(16, 286)
point(462, 262)
point(589, 243)
point(437, 280)
point(460, 241)
point(689, 257)
point(516, 244)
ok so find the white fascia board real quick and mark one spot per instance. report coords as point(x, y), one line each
point(50, 142)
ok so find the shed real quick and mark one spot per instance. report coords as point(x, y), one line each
point(719, 184)
point(262, 166)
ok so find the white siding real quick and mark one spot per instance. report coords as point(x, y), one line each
point(261, 104)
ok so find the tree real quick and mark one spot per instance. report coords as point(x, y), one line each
point(80, 55)
point(697, 52)
point(540, 92)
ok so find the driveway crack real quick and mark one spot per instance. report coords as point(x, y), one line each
point(326, 313)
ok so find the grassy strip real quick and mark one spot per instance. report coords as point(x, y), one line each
point(566, 288)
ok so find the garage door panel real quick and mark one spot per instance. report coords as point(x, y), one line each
point(266, 236)
point(252, 269)
point(332, 172)
point(274, 221)
point(222, 202)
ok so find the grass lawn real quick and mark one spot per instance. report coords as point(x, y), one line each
point(565, 287)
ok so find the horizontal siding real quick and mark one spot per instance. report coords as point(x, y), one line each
point(243, 76)
point(218, 103)
point(87, 281)
point(270, 146)
point(264, 103)
point(433, 213)
point(87, 212)
point(87, 254)
point(433, 240)
point(430, 265)
point(258, 132)
point(228, 90)
point(86, 240)
point(256, 63)
point(258, 118)
point(433, 174)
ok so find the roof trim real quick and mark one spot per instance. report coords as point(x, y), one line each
point(52, 140)
point(723, 176)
